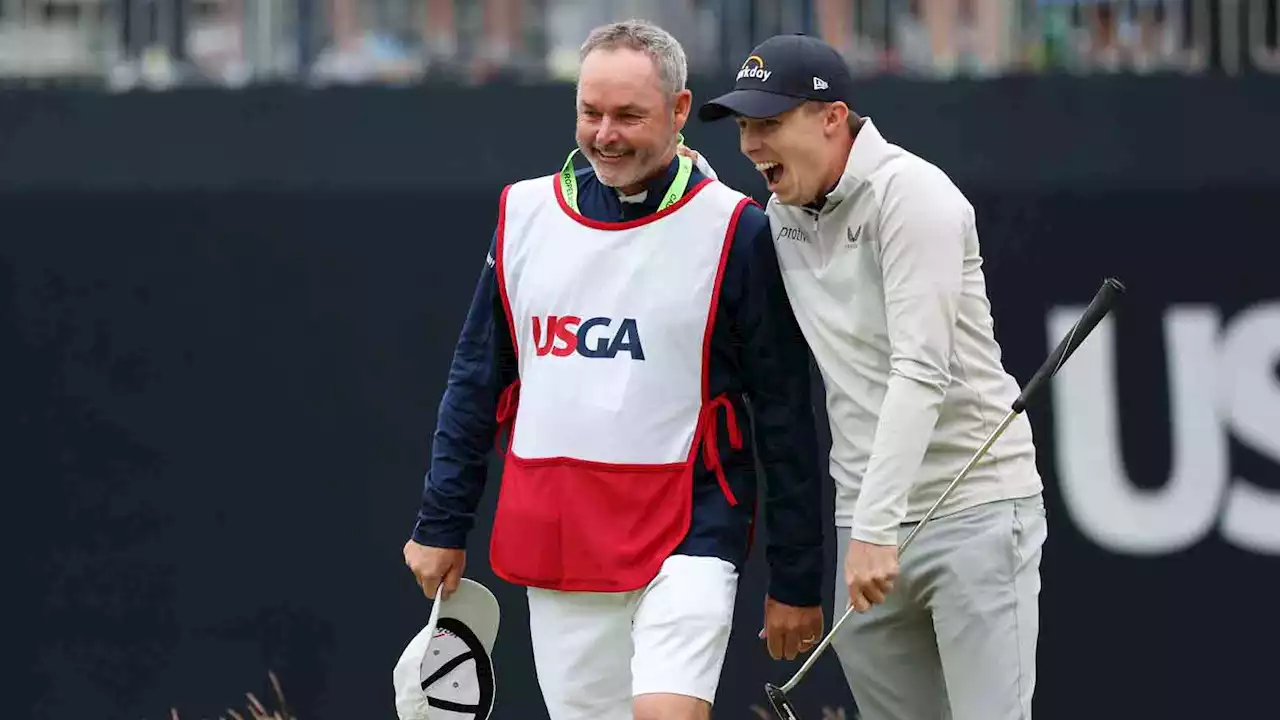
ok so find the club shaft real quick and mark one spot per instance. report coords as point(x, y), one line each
point(973, 461)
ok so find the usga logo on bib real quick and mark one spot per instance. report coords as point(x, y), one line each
point(754, 68)
point(561, 336)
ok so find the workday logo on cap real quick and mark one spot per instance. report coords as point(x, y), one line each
point(754, 68)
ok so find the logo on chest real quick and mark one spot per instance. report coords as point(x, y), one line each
point(794, 234)
point(597, 337)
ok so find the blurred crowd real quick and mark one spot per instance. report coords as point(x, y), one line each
point(124, 44)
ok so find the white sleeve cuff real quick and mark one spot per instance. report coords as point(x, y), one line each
point(875, 536)
point(705, 167)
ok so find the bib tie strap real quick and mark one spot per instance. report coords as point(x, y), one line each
point(508, 401)
point(709, 433)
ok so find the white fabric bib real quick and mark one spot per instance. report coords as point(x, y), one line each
point(612, 323)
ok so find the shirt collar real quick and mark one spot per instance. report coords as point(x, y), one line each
point(865, 156)
point(653, 190)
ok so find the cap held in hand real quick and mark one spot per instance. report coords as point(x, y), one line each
point(446, 672)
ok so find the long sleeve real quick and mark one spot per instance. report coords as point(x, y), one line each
point(776, 375)
point(922, 231)
point(483, 364)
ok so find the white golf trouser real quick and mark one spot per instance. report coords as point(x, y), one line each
point(594, 652)
point(956, 639)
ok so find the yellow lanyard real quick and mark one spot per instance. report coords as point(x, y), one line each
point(569, 182)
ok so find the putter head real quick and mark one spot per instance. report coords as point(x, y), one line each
point(781, 705)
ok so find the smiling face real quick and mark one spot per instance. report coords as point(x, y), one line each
point(627, 122)
point(798, 152)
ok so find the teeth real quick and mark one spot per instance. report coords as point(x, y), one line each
point(766, 166)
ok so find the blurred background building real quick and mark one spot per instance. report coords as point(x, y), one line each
point(122, 44)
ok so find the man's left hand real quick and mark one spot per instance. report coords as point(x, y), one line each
point(687, 151)
point(790, 630)
point(698, 160)
point(870, 572)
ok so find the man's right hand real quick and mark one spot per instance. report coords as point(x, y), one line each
point(430, 565)
point(789, 630)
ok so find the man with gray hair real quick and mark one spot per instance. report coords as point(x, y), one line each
point(626, 314)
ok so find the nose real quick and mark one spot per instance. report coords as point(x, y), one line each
point(748, 141)
point(607, 132)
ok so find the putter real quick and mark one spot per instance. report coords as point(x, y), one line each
point(1098, 308)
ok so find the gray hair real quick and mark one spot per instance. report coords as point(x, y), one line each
point(661, 47)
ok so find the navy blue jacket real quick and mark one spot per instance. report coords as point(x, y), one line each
point(757, 352)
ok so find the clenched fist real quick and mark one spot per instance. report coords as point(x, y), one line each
point(431, 565)
point(869, 571)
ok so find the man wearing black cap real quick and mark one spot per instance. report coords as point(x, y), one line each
point(881, 260)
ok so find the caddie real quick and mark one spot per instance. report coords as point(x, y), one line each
point(626, 315)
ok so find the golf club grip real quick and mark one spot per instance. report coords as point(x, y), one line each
point(1098, 308)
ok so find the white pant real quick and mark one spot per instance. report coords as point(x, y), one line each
point(956, 639)
point(595, 651)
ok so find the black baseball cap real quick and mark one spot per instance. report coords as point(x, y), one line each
point(781, 73)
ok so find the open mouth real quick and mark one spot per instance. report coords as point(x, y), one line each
point(772, 172)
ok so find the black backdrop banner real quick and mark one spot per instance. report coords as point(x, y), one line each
point(219, 402)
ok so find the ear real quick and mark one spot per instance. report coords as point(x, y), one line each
point(837, 118)
point(681, 107)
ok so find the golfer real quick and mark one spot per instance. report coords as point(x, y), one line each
point(880, 256)
point(624, 313)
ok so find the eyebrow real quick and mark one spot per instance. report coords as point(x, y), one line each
point(630, 108)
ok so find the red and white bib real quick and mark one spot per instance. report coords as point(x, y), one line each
point(612, 327)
